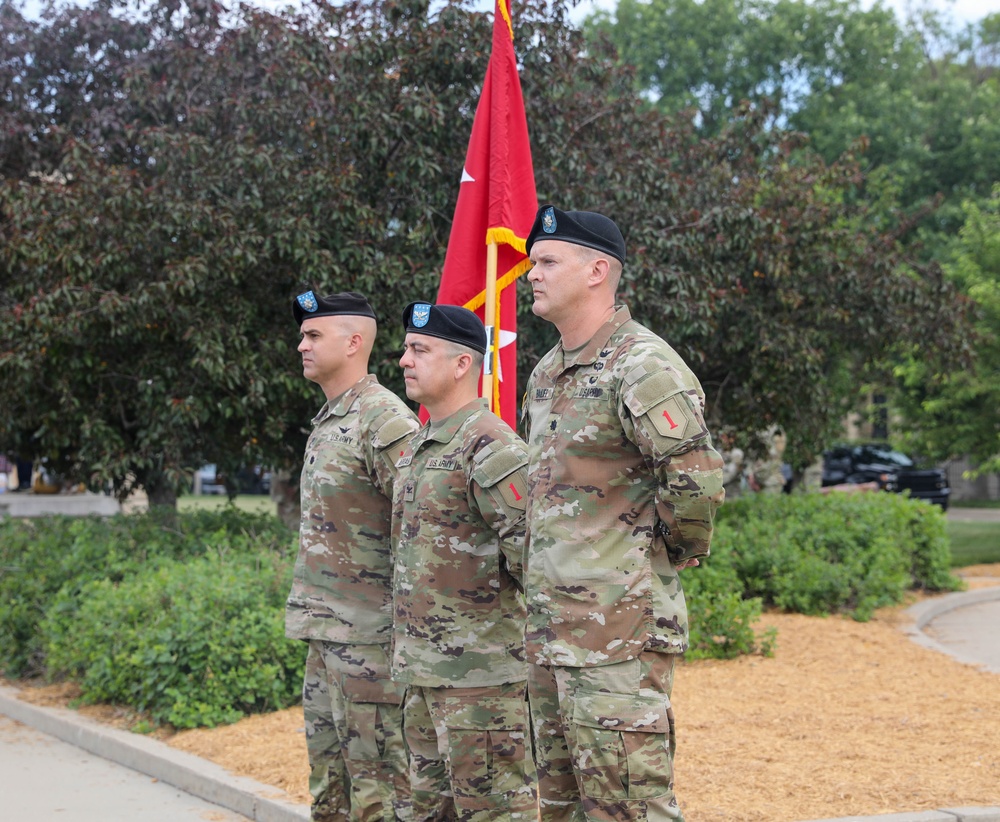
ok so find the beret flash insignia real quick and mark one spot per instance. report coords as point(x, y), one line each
point(308, 302)
point(549, 221)
point(421, 315)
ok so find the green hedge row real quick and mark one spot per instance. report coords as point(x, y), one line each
point(812, 554)
point(192, 643)
point(182, 616)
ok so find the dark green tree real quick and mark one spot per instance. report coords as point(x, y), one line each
point(154, 242)
point(154, 229)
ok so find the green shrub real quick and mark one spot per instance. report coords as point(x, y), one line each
point(197, 642)
point(46, 562)
point(821, 554)
point(182, 615)
point(721, 619)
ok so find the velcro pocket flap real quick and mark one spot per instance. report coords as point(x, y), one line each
point(650, 391)
point(622, 712)
point(497, 461)
point(393, 429)
point(493, 714)
point(378, 689)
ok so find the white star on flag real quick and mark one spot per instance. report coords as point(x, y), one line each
point(506, 338)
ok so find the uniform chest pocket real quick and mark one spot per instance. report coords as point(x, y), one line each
point(587, 417)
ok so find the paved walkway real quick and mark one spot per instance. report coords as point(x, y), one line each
point(43, 778)
point(129, 777)
point(974, 514)
point(120, 760)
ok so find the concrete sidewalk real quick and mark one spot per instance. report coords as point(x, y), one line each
point(193, 775)
point(44, 778)
point(963, 626)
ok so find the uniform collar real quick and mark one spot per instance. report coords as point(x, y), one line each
point(591, 350)
point(339, 406)
point(445, 430)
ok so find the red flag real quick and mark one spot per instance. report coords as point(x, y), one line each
point(496, 204)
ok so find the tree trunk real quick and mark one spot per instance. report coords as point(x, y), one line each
point(159, 493)
point(285, 493)
point(162, 496)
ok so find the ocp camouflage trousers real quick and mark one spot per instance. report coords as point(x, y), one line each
point(604, 740)
point(354, 735)
point(470, 754)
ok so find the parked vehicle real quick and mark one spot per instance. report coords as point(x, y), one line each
point(893, 471)
point(248, 480)
point(208, 481)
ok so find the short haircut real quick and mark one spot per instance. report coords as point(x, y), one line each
point(614, 266)
point(457, 349)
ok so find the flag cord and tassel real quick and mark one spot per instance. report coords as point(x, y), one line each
point(496, 360)
point(490, 310)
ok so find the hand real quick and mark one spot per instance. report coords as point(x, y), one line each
point(688, 563)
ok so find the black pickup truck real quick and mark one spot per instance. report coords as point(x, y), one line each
point(892, 470)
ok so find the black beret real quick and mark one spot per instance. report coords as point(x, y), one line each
point(449, 322)
point(586, 228)
point(347, 302)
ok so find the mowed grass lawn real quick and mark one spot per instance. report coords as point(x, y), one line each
point(252, 503)
point(973, 543)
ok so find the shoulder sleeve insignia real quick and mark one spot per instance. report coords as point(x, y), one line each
point(670, 418)
point(514, 490)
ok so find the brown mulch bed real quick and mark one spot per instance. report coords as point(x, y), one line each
point(846, 718)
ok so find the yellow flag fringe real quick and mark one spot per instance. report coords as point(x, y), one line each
point(480, 299)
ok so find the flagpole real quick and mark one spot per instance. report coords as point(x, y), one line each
point(490, 321)
point(494, 212)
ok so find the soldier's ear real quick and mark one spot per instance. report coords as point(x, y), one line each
point(355, 343)
point(599, 271)
point(462, 365)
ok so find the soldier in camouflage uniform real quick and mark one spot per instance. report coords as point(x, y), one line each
point(341, 597)
point(458, 621)
point(623, 483)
